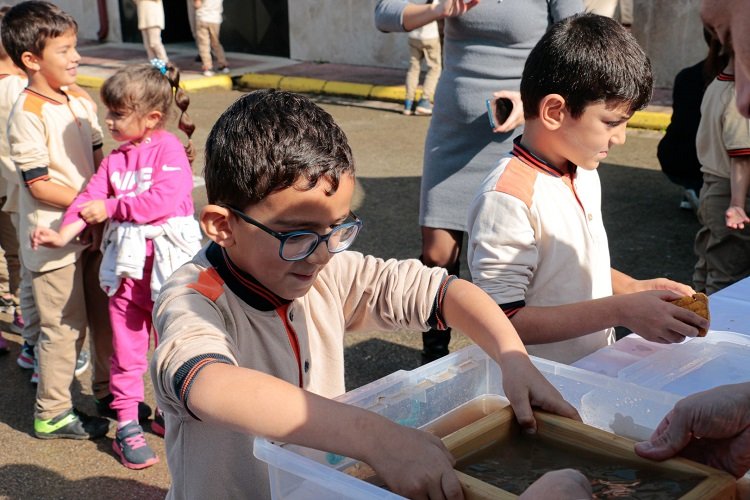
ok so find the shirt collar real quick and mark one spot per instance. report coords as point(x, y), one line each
point(532, 160)
point(247, 288)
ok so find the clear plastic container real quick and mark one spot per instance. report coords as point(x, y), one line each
point(418, 398)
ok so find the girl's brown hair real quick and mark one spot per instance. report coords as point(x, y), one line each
point(143, 88)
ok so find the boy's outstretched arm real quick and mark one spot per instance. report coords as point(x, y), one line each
point(412, 463)
point(472, 311)
point(739, 180)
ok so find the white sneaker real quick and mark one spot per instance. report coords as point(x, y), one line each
point(224, 70)
point(208, 72)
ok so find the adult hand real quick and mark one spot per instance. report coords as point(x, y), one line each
point(564, 484)
point(736, 217)
point(712, 427)
point(653, 316)
point(94, 211)
point(454, 8)
point(430, 476)
point(515, 118)
point(660, 284)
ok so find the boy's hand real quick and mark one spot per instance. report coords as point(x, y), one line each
point(94, 212)
point(46, 237)
point(736, 218)
point(661, 284)
point(653, 316)
point(564, 484)
point(525, 386)
point(415, 464)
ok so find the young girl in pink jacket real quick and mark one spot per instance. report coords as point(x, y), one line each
point(143, 190)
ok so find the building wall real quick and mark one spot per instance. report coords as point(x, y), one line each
point(343, 31)
point(86, 15)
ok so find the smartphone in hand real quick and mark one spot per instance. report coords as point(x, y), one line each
point(498, 110)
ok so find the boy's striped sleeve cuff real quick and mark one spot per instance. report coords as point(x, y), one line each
point(436, 319)
point(185, 376)
point(511, 308)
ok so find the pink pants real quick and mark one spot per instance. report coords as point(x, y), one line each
point(130, 313)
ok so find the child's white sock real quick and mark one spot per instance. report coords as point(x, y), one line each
point(120, 425)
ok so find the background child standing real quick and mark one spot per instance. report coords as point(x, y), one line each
point(144, 189)
point(55, 142)
point(723, 145)
point(208, 17)
point(424, 43)
point(151, 23)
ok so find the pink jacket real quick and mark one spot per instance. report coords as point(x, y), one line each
point(144, 184)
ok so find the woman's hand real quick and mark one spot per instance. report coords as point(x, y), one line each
point(515, 118)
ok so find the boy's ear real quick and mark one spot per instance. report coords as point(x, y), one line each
point(214, 221)
point(552, 111)
point(30, 61)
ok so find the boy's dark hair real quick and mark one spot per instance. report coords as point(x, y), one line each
point(27, 26)
point(268, 140)
point(143, 88)
point(587, 59)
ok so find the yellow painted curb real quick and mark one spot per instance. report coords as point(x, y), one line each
point(302, 84)
point(260, 81)
point(95, 82)
point(346, 88)
point(650, 120)
point(388, 92)
point(208, 82)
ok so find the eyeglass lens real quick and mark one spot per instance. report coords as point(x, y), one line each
point(301, 245)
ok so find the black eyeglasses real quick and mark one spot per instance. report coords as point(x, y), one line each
point(298, 245)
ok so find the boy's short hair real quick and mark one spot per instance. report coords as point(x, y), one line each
point(27, 26)
point(587, 58)
point(266, 141)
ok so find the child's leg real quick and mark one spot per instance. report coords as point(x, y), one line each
point(153, 44)
point(99, 326)
point(130, 312)
point(213, 32)
point(412, 75)
point(203, 40)
point(62, 312)
point(433, 58)
point(9, 243)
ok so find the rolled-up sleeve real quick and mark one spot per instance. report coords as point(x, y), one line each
point(389, 15)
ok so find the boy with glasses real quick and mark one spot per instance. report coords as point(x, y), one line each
point(252, 330)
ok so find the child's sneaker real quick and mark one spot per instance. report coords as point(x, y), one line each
point(157, 425)
point(26, 356)
point(130, 445)
point(208, 72)
point(3, 345)
point(103, 409)
point(224, 70)
point(71, 424)
point(82, 363)
point(407, 107)
point(424, 108)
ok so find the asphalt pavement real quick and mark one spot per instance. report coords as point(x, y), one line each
point(649, 236)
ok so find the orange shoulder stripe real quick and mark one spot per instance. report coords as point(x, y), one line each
point(33, 104)
point(517, 180)
point(209, 284)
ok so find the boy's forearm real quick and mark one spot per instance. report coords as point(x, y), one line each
point(542, 325)
point(52, 194)
point(622, 283)
point(70, 231)
point(469, 309)
point(739, 180)
point(253, 402)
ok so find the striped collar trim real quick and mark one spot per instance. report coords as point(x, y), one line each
point(532, 160)
point(247, 288)
point(725, 77)
point(46, 98)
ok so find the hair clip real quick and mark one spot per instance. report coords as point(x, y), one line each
point(160, 65)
